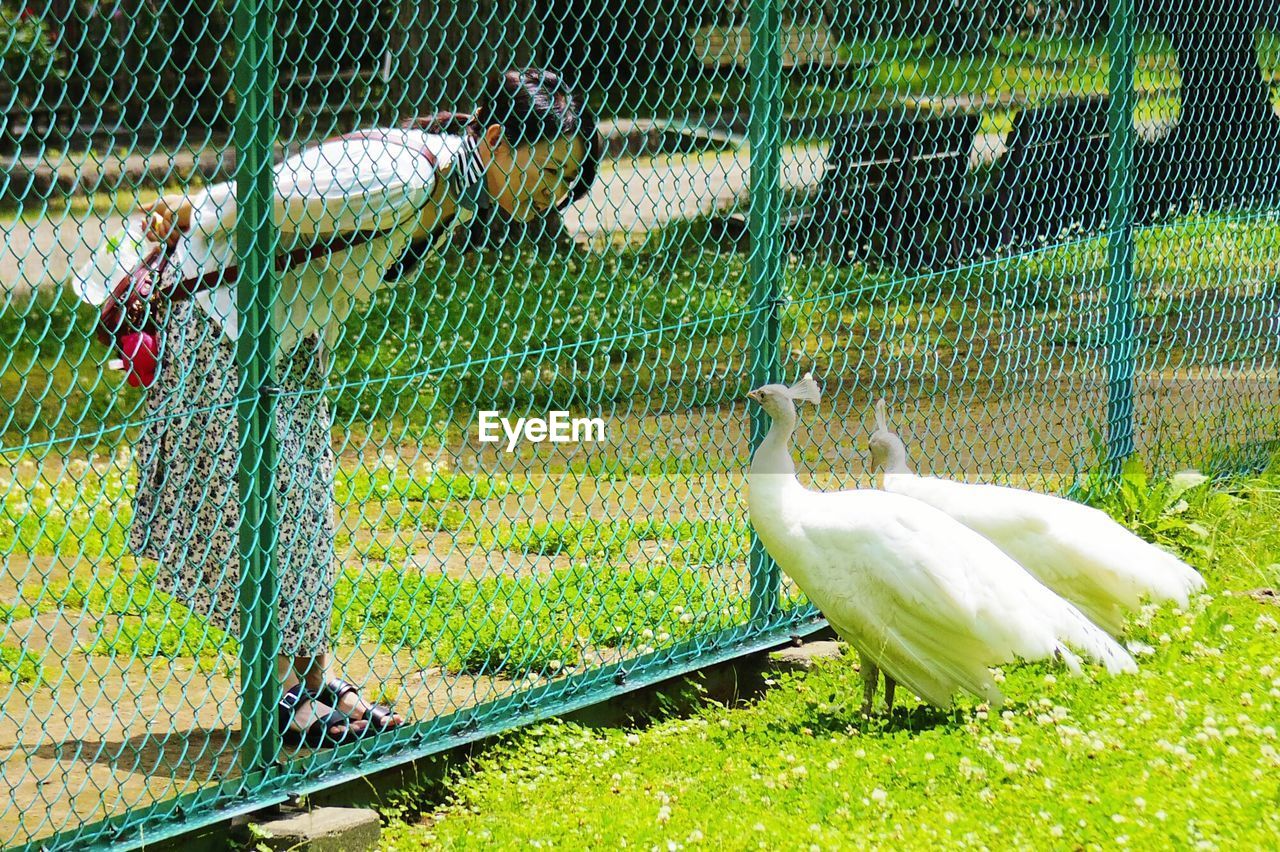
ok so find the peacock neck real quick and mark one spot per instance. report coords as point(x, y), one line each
point(774, 453)
point(897, 457)
point(771, 487)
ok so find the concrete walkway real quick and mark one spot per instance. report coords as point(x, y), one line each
point(632, 197)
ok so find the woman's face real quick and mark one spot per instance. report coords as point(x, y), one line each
point(528, 180)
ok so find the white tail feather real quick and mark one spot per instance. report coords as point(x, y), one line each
point(1071, 661)
point(1094, 643)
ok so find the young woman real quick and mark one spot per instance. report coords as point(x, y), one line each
point(358, 211)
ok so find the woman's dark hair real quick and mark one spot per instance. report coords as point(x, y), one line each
point(532, 106)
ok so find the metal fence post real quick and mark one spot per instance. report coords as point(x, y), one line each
point(765, 262)
point(1121, 353)
point(254, 78)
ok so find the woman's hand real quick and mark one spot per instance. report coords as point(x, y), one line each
point(167, 218)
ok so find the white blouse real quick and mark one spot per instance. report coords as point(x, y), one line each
point(367, 181)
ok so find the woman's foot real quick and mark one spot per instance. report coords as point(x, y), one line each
point(346, 699)
point(306, 721)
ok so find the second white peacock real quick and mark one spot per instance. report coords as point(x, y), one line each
point(1076, 550)
point(921, 597)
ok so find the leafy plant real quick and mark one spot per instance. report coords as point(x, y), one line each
point(27, 52)
point(1160, 510)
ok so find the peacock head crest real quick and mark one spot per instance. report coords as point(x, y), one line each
point(779, 401)
point(888, 453)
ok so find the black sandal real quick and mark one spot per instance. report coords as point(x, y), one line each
point(379, 716)
point(317, 733)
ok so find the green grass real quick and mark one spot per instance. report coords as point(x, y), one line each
point(1183, 753)
point(72, 508)
point(20, 667)
point(76, 509)
point(1199, 284)
point(497, 625)
point(386, 482)
point(515, 625)
point(605, 539)
point(1014, 71)
point(608, 598)
point(123, 615)
point(510, 328)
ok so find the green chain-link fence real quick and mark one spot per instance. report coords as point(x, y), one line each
point(1047, 233)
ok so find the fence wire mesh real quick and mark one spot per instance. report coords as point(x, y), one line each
point(1047, 233)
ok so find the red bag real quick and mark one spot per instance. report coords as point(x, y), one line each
point(127, 320)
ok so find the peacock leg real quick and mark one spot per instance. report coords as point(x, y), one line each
point(889, 686)
point(870, 680)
